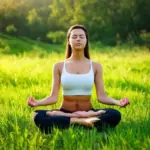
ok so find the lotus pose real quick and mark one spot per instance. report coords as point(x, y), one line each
point(77, 74)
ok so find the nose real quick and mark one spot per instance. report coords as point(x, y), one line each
point(78, 38)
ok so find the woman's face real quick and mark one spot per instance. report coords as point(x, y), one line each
point(77, 39)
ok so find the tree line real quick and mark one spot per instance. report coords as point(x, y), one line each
point(109, 22)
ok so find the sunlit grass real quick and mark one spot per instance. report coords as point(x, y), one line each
point(126, 74)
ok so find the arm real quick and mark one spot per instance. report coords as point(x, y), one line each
point(52, 98)
point(102, 97)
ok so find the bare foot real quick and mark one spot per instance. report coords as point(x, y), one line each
point(100, 112)
point(91, 120)
point(88, 122)
point(50, 113)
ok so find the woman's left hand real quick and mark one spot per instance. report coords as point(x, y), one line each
point(124, 102)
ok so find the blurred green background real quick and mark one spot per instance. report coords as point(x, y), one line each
point(109, 22)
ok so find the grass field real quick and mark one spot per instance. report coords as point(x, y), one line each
point(26, 70)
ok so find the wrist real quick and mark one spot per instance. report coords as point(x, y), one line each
point(117, 102)
point(37, 103)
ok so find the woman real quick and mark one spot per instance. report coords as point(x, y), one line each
point(77, 74)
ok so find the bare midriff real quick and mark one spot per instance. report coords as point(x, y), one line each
point(76, 103)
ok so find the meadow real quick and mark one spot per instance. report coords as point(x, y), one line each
point(26, 70)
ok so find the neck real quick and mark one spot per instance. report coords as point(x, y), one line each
point(77, 55)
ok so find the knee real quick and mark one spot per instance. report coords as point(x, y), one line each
point(38, 117)
point(116, 116)
point(116, 113)
point(111, 117)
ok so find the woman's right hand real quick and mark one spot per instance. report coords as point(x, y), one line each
point(124, 102)
point(32, 102)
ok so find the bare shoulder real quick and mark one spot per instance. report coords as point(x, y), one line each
point(97, 67)
point(58, 66)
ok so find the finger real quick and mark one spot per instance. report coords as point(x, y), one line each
point(124, 102)
point(31, 103)
point(127, 101)
point(32, 99)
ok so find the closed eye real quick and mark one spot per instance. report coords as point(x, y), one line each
point(75, 36)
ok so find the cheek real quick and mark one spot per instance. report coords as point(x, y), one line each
point(85, 41)
point(72, 41)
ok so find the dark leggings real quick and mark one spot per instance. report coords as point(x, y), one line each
point(46, 123)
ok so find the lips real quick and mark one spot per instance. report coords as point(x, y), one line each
point(78, 44)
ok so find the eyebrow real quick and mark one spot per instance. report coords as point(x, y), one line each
point(79, 35)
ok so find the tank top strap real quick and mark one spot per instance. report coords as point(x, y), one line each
point(64, 66)
point(91, 66)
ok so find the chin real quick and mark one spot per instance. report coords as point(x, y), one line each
point(79, 48)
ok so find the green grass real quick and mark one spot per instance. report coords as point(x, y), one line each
point(25, 71)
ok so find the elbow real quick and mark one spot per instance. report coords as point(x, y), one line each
point(53, 99)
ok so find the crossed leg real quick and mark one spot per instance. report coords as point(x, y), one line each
point(45, 122)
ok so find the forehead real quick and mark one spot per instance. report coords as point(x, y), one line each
point(77, 32)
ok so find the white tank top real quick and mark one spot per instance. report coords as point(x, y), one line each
point(77, 84)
